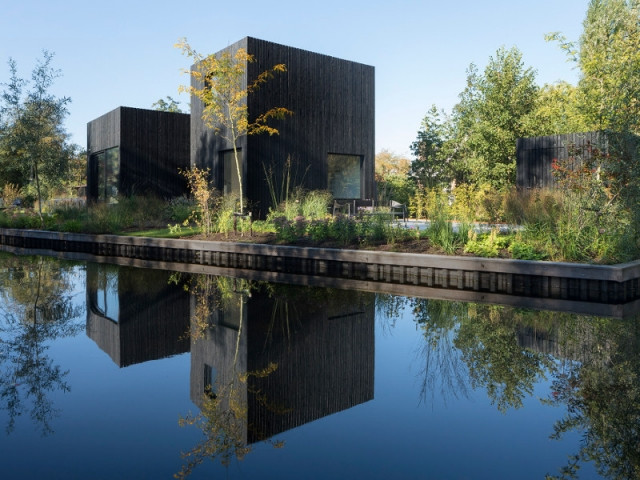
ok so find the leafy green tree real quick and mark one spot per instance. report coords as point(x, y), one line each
point(609, 60)
point(392, 179)
point(491, 115)
point(436, 161)
point(34, 142)
point(223, 90)
point(77, 168)
point(608, 55)
point(168, 105)
point(558, 110)
point(477, 143)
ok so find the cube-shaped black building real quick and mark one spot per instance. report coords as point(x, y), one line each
point(137, 151)
point(327, 144)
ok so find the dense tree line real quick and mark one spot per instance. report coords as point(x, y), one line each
point(476, 142)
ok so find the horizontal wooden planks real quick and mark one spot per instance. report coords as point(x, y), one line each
point(616, 284)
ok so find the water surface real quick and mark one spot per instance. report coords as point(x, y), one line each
point(117, 372)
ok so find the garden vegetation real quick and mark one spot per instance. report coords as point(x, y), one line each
point(461, 182)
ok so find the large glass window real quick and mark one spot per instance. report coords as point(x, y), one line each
point(231, 180)
point(106, 165)
point(344, 175)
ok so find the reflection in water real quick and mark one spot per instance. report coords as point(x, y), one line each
point(602, 394)
point(35, 308)
point(272, 357)
point(594, 364)
point(134, 315)
point(266, 358)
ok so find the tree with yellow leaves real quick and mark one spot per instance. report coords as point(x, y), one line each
point(223, 87)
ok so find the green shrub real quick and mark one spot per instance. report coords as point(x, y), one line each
point(524, 251)
point(72, 225)
point(374, 228)
point(318, 230)
point(487, 245)
point(343, 229)
point(315, 204)
point(285, 232)
point(179, 209)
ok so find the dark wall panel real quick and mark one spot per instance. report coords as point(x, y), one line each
point(535, 156)
point(153, 146)
point(332, 101)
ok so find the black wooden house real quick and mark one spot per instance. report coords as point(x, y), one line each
point(137, 151)
point(328, 142)
point(535, 155)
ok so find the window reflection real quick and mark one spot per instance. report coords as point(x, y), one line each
point(105, 299)
point(344, 175)
point(107, 166)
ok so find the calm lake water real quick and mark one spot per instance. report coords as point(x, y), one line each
point(114, 372)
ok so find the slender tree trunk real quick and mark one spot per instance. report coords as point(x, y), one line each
point(234, 140)
point(35, 171)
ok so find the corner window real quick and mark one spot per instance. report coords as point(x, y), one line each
point(344, 175)
point(106, 165)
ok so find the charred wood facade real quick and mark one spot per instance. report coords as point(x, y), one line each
point(137, 151)
point(136, 315)
point(535, 155)
point(328, 142)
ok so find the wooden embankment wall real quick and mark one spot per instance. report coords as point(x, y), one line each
point(483, 279)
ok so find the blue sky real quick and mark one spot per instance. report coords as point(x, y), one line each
point(121, 52)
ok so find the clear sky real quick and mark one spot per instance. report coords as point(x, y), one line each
point(120, 52)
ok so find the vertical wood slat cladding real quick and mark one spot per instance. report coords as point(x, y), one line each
point(153, 146)
point(535, 156)
point(325, 357)
point(333, 105)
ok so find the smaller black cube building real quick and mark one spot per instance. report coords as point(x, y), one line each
point(137, 151)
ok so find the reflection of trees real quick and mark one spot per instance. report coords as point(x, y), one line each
point(595, 373)
point(223, 421)
point(223, 416)
point(489, 343)
point(36, 307)
point(602, 395)
point(442, 362)
point(320, 339)
point(486, 337)
point(388, 309)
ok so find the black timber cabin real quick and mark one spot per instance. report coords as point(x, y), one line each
point(137, 151)
point(535, 155)
point(326, 144)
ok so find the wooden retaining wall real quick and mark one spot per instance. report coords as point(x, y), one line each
point(483, 277)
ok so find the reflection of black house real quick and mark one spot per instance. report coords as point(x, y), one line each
point(135, 151)
point(134, 315)
point(323, 347)
point(329, 139)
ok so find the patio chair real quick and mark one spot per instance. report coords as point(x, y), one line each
point(344, 208)
point(398, 210)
